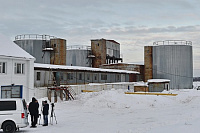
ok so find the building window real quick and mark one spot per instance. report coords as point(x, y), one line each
point(70, 76)
point(2, 67)
point(118, 77)
point(80, 76)
point(61, 76)
point(38, 75)
point(88, 77)
point(19, 68)
point(103, 77)
point(95, 77)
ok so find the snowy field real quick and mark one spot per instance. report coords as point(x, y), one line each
point(115, 112)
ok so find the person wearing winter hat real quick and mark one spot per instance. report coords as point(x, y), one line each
point(33, 109)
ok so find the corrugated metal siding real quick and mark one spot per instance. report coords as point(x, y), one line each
point(174, 62)
point(34, 48)
point(78, 58)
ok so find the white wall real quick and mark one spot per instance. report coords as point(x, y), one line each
point(25, 79)
point(41, 92)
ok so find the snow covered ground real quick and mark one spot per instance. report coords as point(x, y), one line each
point(112, 111)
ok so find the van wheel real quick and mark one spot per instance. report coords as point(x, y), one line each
point(9, 127)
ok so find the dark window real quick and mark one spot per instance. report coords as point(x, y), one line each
point(80, 76)
point(19, 68)
point(118, 77)
point(38, 75)
point(88, 77)
point(70, 76)
point(2, 67)
point(7, 105)
point(61, 76)
point(103, 77)
point(95, 77)
point(54, 45)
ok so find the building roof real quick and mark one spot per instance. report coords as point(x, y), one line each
point(140, 84)
point(50, 66)
point(9, 49)
point(106, 40)
point(158, 80)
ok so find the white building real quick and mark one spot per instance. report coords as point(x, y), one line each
point(16, 71)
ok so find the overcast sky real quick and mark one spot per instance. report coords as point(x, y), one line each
point(132, 23)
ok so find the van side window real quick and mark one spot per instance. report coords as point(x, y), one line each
point(7, 105)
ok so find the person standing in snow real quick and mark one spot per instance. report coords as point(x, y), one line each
point(33, 109)
point(45, 113)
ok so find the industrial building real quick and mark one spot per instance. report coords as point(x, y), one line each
point(158, 85)
point(105, 52)
point(100, 52)
point(45, 48)
point(170, 60)
point(55, 75)
point(127, 66)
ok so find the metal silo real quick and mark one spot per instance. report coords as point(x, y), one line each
point(79, 55)
point(173, 60)
point(36, 45)
point(45, 48)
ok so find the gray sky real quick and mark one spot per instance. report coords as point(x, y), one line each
point(132, 23)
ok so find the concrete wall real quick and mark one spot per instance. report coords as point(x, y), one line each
point(103, 86)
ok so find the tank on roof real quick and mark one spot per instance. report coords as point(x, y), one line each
point(171, 60)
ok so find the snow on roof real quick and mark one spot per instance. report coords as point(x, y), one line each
point(10, 49)
point(158, 80)
point(38, 65)
point(140, 84)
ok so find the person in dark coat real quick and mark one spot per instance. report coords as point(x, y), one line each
point(33, 109)
point(45, 113)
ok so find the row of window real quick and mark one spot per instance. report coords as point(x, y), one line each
point(70, 76)
point(18, 68)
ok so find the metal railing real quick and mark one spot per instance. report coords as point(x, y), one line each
point(173, 42)
point(82, 47)
point(33, 36)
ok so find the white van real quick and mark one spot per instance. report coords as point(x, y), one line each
point(13, 114)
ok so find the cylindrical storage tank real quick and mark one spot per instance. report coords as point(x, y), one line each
point(173, 60)
point(35, 45)
point(78, 56)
